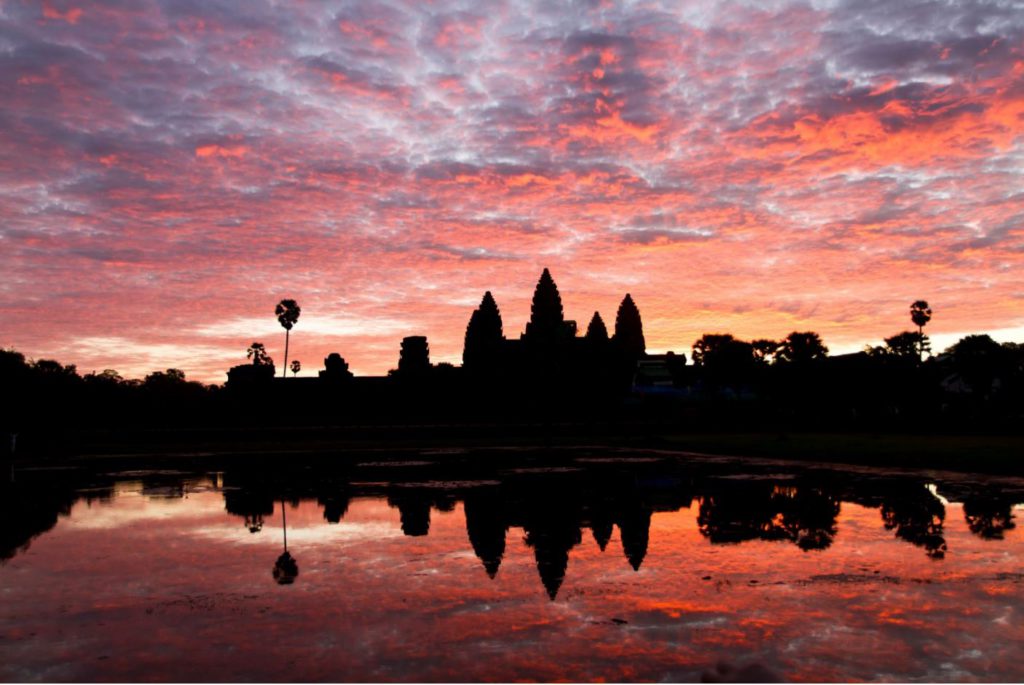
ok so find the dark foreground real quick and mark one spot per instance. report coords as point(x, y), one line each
point(565, 563)
point(995, 453)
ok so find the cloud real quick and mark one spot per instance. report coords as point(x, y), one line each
point(180, 166)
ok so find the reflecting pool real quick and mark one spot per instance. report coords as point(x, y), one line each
point(578, 565)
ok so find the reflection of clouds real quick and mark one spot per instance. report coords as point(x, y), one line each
point(130, 508)
point(387, 607)
point(339, 533)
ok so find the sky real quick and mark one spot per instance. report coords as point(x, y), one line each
point(171, 169)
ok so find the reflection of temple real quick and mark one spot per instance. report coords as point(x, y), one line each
point(555, 506)
point(335, 505)
point(414, 508)
point(552, 529)
point(248, 497)
point(486, 526)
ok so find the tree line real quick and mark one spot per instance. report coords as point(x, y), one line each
point(551, 372)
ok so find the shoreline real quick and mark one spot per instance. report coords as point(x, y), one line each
point(980, 454)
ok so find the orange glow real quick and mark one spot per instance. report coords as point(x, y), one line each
point(743, 169)
point(71, 15)
point(230, 151)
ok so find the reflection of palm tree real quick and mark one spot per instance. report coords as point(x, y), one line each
point(285, 568)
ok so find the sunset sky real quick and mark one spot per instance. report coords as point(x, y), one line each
point(169, 170)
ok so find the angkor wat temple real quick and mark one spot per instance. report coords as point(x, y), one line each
point(549, 360)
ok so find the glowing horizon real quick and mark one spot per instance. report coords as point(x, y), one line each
point(170, 171)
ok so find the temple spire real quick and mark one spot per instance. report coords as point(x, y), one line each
point(546, 318)
point(629, 331)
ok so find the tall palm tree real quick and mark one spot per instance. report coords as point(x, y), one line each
point(920, 314)
point(287, 312)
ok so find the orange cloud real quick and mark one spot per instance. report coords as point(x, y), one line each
point(224, 151)
point(71, 16)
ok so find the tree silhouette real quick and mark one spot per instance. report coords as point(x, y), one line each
point(596, 330)
point(547, 321)
point(163, 379)
point(917, 516)
point(920, 314)
point(287, 313)
point(296, 367)
point(629, 330)
point(765, 350)
point(723, 357)
point(257, 352)
point(989, 516)
point(483, 334)
point(980, 361)
point(709, 347)
point(905, 345)
point(801, 348)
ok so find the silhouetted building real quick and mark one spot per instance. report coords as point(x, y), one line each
point(484, 336)
point(547, 322)
point(414, 358)
point(597, 332)
point(629, 330)
point(335, 368)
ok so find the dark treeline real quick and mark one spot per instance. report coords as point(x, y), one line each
point(554, 372)
point(556, 510)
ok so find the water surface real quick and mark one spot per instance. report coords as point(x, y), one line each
point(605, 566)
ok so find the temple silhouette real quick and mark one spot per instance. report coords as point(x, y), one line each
point(550, 353)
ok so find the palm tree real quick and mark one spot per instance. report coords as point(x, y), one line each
point(287, 312)
point(258, 354)
point(296, 367)
point(920, 314)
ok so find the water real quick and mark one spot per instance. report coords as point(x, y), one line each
point(604, 566)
